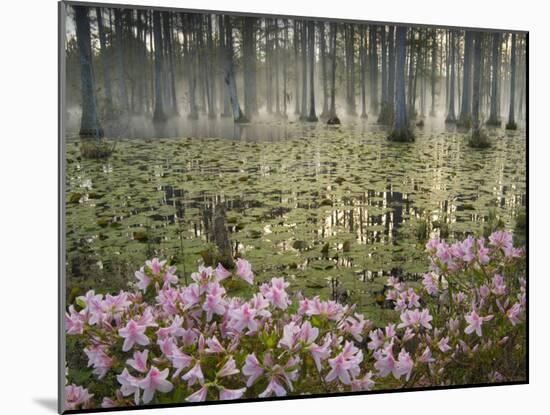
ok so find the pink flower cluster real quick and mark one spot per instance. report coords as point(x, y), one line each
point(168, 342)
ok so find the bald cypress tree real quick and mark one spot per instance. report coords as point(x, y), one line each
point(451, 114)
point(333, 118)
point(229, 73)
point(511, 124)
point(479, 139)
point(89, 123)
point(159, 115)
point(312, 117)
point(401, 130)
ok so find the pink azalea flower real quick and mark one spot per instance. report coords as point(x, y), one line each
point(345, 366)
point(364, 384)
point(100, 361)
point(474, 322)
point(108, 403)
point(385, 362)
point(308, 334)
point(443, 345)
point(133, 333)
point(513, 314)
point(115, 305)
point(74, 322)
point(377, 339)
point(139, 362)
point(319, 353)
point(404, 365)
point(244, 270)
point(356, 325)
point(273, 388)
point(499, 288)
point(231, 394)
point(179, 361)
point(76, 397)
point(221, 273)
point(501, 239)
point(432, 244)
point(426, 356)
point(169, 276)
point(430, 284)
point(243, 317)
point(416, 318)
point(190, 296)
point(339, 369)
point(214, 346)
point(230, 368)
point(252, 369)
point(511, 252)
point(129, 385)
point(203, 276)
point(214, 303)
point(290, 336)
point(276, 293)
point(198, 396)
point(482, 252)
point(143, 279)
point(155, 265)
point(155, 381)
point(484, 291)
point(194, 375)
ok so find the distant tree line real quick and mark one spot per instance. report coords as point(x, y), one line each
point(160, 64)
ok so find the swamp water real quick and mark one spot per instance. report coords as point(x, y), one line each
point(309, 202)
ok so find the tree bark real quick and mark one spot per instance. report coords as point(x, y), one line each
point(312, 117)
point(401, 131)
point(159, 115)
point(511, 125)
point(238, 114)
point(89, 123)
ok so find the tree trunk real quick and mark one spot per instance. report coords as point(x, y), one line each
point(384, 116)
point(303, 39)
point(479, 138)
point(89, 123)
point(401, 131)
point(494, 118)
point(465, 119)
point(296, 68)
point(312, 117)
point(451, 114)
point(363, 70)
point(434, 73)
point(159, 115)
point(238, 115)
point(333, 118)
point(104, 61)
point(391, 74)
point(323, 62)
point(122, 92)
point(511, 125)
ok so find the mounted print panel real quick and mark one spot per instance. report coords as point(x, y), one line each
point(271, 207)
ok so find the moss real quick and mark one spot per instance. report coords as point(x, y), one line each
point(346, 246)
point(299, 245)
point(511, 125)
point(479, 139)
point(405, 135)
point(140, 236)
point(96, 149)
point(74, 197)
point(102, 223)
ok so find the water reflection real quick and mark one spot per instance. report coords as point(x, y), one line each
point(290, 188)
